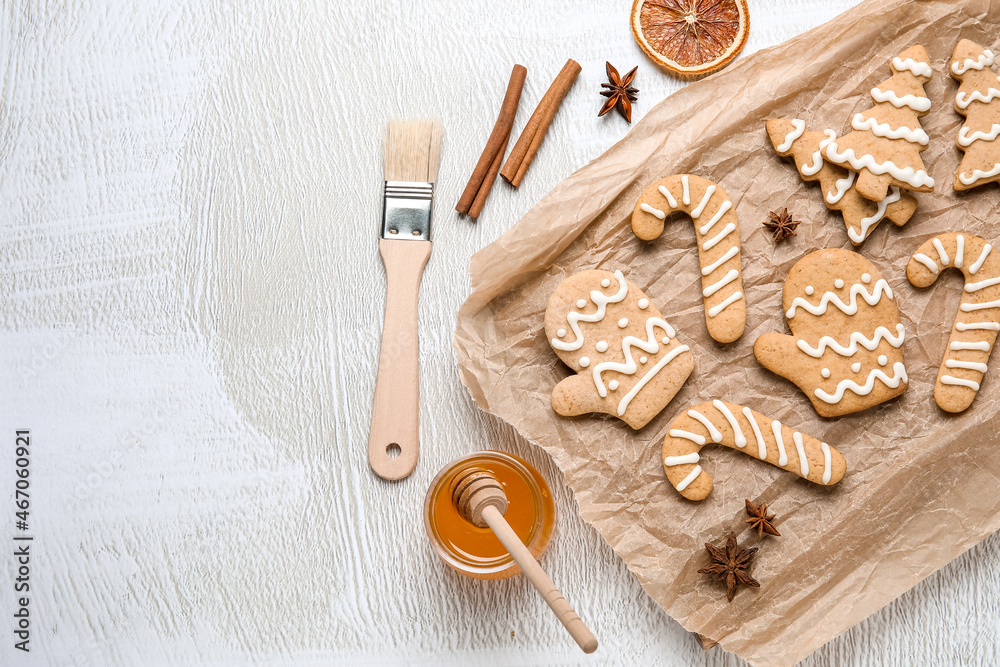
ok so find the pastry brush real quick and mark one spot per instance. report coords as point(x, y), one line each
point(411, 164)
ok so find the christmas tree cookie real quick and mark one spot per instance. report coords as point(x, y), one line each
point(978, 99)
point(885, 144)
point(790, 137)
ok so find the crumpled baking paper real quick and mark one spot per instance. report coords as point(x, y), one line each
point(921, 484)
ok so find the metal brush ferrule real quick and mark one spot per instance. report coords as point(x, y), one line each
point(407, 210)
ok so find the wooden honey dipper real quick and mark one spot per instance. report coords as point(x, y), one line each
point(480, 498)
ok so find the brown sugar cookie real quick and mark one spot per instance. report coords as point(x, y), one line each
point(978, 99)
point(718, 236)
point(627, 359)
point(790, 137)
point(845, 351)
point(978, 321)
point(750, 432)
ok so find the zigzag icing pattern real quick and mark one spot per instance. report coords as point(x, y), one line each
point(871, 298)
point(893, 381)
point(601, 300)
point(914, 177)
point(856, 338)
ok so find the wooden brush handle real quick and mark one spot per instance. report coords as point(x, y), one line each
point(396, 410)
point(536, 575)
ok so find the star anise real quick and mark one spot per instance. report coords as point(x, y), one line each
point(759, 518)
point(619, 92)
point(781, 225)
point(731, 564)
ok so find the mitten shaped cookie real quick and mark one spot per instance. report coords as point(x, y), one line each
point(790, 137)
point(845, 351)
point(978, 99)
point(884, 146)
point(627, 359)
point(975, 330)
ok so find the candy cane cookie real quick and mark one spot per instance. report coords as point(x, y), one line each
point(750, 432)
point(978, 320)
point(717, 232)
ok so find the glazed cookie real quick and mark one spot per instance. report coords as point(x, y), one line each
point(627, 360)
point(845, 351)
point(978, 321)
point(741, 428)
point(885, 144)
point(978, 99)
point(718, 236)
point(790, 137)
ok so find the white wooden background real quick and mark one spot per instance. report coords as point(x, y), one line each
point(192, 303)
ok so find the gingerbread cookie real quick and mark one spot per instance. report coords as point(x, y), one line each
point(885, 145)
point(845, 351)
point(790, 137)
point(628, 362)
point(978, 99)
point(741, 428)
point(978, 321)
point(718, 236)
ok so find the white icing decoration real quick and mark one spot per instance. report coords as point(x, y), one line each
point(856, 367)
point(882, 360)
point(654, 211)
point(622, 323)
point(584, 362)
point(969, 307)
point(825, 372)
point(665, 340)
point(985, 326)
point(642, 360)
point(776, 430)
point(670, 198)
point(968, 365)
point(817, 164)
point(843, 185)
point(871, 298)
point(667, 358)
point(965, 139)
point(732, 252)
point(915, 178)
point(978, 174)
point(686, 195)
point(690, 478)
point(826, 462)
point(810, 290)
point(798, 128)
point(709, 191)
point(975, 287)
point(839, 283)
point(963, 102)
point(602, 346)
point(704, 229)
point(898, 376)
point(978, 264)
point(581, 303)
point(916, 102)
point(761, 445)
point(605, 283)
point(918, 67)
point(942, 255)
point(726, 231)
point(671, 461)
point(866, 278)
point(561, 333)
point(950, 379)
point(613, 385)
point(643, 304)
point(866, 223)
point(728, 301)
point(715, 287)
point(712, 431)
point(602, 301)
point(741, 440)
point(917, 136)
point(928, 262)
point(687, 435)
point(960, 250)
point(984, 60)
point(801, 451)
point(982, 346)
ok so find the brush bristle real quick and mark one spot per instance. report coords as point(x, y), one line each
point(412, 150)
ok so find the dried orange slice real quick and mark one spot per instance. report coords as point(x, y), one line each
point(691, 38)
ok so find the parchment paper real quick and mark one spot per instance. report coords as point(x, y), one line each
point(921, 484)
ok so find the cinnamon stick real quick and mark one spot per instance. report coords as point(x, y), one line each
point(534, 132)
point(496, 145)
point(491, 177)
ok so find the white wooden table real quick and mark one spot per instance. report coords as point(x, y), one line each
point(192, 303)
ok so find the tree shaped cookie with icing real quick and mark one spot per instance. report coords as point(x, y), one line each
point(885, 144)
point(845, 351)
point(978, 99)
point(627, 359)
point(790, 137)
